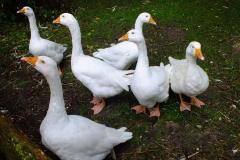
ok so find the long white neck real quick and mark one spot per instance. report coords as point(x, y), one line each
point(190, 58)
point(77, 50)
point(143, 62)
point(56, 110)
point(139, 25)
point(33, 27)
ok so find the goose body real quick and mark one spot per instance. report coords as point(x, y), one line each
point(51, 49)
point(121, 55)
point(188, 78)
point(152, 89)
point(72, 137)
point(150, 85)
point(102, 79)
point(124, 54)
point(39, 46)
point(78, 138)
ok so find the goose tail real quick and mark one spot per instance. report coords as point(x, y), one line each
point(168, 68)
point(125, 136)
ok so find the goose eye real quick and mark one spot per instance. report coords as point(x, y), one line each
point(147, 16)
point(192, 46)
point(62, 16)
point(42, 61)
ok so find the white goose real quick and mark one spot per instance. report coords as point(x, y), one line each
point(124, 54)
point(39, 46)
point(150, 85)
point(100, 78)
point(72, 137)
point(187, 78)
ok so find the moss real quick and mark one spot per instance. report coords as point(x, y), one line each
point(15, 145)
point(22, 152)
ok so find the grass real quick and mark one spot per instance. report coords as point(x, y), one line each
point(211, 132)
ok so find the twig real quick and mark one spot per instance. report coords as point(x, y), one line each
point(21, 117)
point(235, 101)
point(141, 152)
point(50, 37)
point(157, 143)
point(67, 84)
point(168, 44)
point(190, 156)
point(39, 25)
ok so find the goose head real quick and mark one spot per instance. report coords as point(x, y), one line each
point(194, 50)
point(65, 19)
point(28, 11)
point(132, 36)
point(43, 64)
point(146, 18)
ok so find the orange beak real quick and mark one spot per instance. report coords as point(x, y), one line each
point(30, 60)
point(21, 10)
point(151, 20)
point(198, 54)
point(57, 20)
point(124, 37)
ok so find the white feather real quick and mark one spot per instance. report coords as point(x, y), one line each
point(186, 77)
point(39, 46)
point(73, 137)
point(122, 55)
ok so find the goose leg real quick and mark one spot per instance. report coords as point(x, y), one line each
point(184, 105)
point(98, 106)
point(94, 101)
point(114, 157)
point(155, 112)
point(59, 71)
point(196, 102)
point(139, 109)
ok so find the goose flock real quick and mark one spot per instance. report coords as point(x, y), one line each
point(106, 74)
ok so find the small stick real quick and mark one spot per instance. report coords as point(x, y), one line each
point(190, 156)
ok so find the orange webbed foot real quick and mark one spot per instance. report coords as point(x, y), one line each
point(139, 109)
point(95, 101)
point(155, 112)
point(97, 108)
point(196, 102)
point(185, 106)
